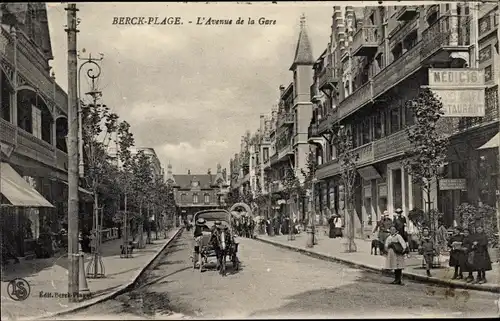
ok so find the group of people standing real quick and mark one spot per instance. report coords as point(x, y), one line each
point(245, 226)
point(468, 252)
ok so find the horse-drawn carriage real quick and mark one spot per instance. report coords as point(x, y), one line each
point(218, 240)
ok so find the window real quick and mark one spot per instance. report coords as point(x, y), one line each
point(207, 198)
point(397, 51)
point(380, 61)
point(395, 120)
point(195, 198)
point(410, 116)
point(266, 153)
point(37, 122)
point(411, 40)
point(366, 131)
point(183, 198)
point(377, 126)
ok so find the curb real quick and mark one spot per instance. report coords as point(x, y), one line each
point(122, 289)
point(376, 269)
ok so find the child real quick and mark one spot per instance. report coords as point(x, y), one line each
point(427, 249)
point(466, 249)
point(482, 261)
point(456, 255)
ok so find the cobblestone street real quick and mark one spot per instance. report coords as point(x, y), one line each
point(275, 282)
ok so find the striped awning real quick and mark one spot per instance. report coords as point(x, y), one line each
point(17, 191)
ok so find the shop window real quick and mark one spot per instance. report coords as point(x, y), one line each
point(397, 195)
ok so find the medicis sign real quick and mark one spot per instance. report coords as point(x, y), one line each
point(461, 91)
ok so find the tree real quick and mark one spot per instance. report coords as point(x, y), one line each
point(343, 141)
point(125, 140)
point(142, 183)
point(309, 174)
point(426, 157)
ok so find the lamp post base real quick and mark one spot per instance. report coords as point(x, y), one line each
point(350, 246)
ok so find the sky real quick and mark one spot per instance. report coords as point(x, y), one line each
point(190, 91)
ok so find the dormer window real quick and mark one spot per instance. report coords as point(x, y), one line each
point(195, 184)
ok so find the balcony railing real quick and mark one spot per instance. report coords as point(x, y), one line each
point(285, 119)
point(404, 66)
point(328, 78)
point(391, 146)
point(328, 169)
point(407, 13)
point(364, 153)
point(35, 148)
point(366, 41)
point(356, 100)
point(7, 132)
point(451, 32)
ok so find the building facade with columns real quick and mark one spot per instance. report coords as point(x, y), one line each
point(377, 59)
point(33, 127)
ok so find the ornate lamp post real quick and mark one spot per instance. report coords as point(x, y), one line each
point(95, 269)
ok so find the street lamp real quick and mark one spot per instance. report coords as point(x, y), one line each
point(95, 269)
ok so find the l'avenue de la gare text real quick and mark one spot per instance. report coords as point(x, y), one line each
point(206, 21)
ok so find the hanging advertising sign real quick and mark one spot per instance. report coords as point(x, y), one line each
point(460, 90)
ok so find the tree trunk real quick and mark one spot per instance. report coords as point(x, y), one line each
point(141, 227)
point(350, 245)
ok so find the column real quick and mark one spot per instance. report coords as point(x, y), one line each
point(13, 33)
point(453, 25)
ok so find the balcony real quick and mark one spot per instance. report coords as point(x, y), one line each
point(391, 146)
point(407, 13)
point(364, 154)
point(394, 73)
point(448, 34)
point(35, 148)
point(285, 151)
point(366, 41)
point(328, 169)
point(7, 132)
point(356, 100)
point(328, 78)
point(285, 119)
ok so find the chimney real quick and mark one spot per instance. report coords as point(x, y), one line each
point(189, 172)
point(262, 123)
point(209, 172)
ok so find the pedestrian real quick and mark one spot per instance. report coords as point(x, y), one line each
point(467, 263)
point(337, 226)
point(427, 249)
point(200, 227)
point(400, 224)
point(442, 240)
point(383, 226)
point(456, 254)
point(481, 260)
point(395, 257)
point(413, 236)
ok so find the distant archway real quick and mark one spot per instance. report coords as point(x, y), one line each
point(245, 207)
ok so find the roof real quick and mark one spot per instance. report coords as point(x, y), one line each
point(303, 51)
point(184, 181)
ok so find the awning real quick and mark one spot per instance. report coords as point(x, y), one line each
point(17, 191)
point(492, 143)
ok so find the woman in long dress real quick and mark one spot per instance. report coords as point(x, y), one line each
point(395, 258)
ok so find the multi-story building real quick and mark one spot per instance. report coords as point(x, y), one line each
point(156, 168)
point(282, 139)
point(377, 59)
point(196, 192)
point(33, 126)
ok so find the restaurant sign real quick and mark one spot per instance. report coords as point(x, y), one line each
point(453, 184)
point(460, 90)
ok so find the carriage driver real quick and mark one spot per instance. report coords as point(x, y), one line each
point(198, 235)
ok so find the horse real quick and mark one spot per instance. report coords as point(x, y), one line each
point(223, 246)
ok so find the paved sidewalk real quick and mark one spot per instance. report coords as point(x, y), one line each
point(334, 249)
point(51, 276)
